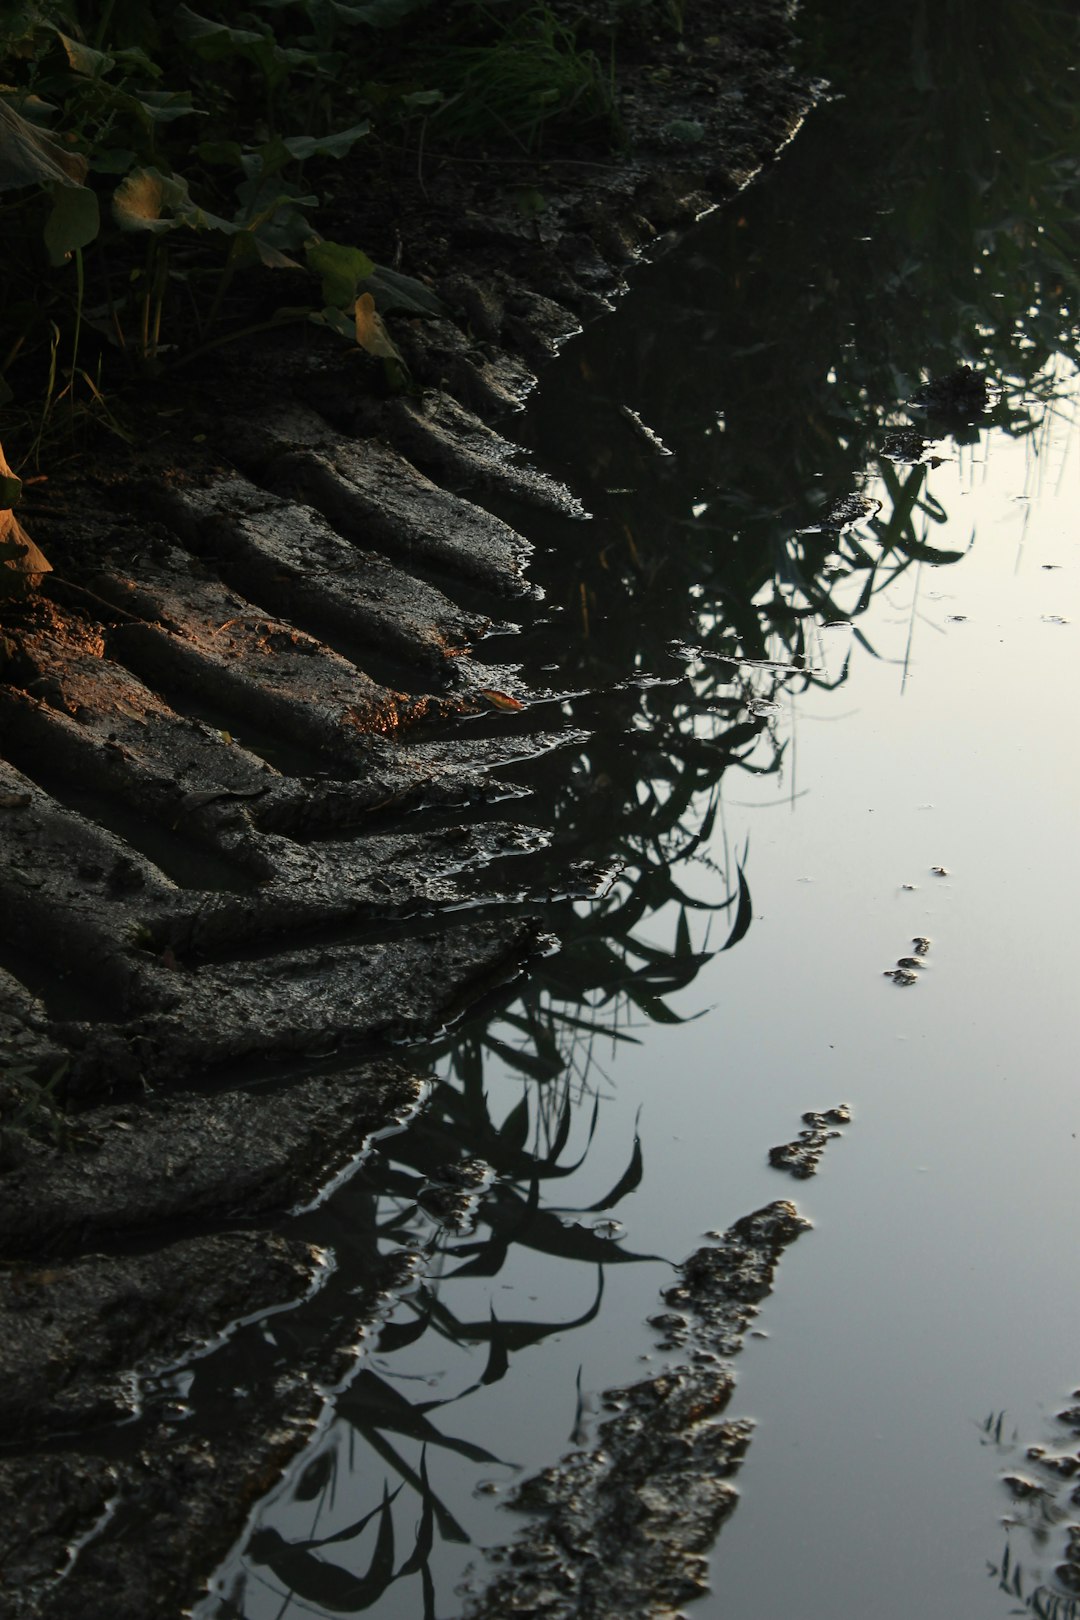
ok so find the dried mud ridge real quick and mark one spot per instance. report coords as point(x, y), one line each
point(254, 772)
point(620, 1531)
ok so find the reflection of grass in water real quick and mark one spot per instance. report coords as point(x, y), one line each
point(1008, 1575)
point(647, 788)
point(1037, 1512)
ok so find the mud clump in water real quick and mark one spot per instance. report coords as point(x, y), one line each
point(801, 1157)
point(961, 394)
point(908, 968)
point(1044, 1493)
point(621, 1530)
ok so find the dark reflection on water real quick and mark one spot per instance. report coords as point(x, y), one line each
point(926, 217)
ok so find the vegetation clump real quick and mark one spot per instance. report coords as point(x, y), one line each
point(152, 157)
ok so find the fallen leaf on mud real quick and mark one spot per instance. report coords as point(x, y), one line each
point(500, 700)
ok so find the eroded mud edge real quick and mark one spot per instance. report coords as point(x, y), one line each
point(124, 1255)
point(621, 1530)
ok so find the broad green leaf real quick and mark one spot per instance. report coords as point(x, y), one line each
point(272, 257)
point(203, 32)
point(341, 268)
point(83, 59)
point(133, 59)
point(377, 13)
point(73, 221)
point(214, 42)
point(29, 157)
point(393, 291)
point(113, 160)
point(421, 100)
point(145, 198)
point(276, 210)
point(303, 147)
point(165, 106)
point(266, 160)
point(248, 247)
point(336, 320)
point(229, 154)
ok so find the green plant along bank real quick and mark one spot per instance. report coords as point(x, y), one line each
point(151, 156)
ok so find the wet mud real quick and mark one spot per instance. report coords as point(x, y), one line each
point(245, 827)
point(621, 1529)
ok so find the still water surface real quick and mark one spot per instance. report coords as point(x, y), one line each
point(859, 724)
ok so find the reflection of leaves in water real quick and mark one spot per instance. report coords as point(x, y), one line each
point(1008, 1575)
point(963, 186)
point(627, 1182)
point(503, 1338)
point(741, 926)
point(334, 1588)
point(514, 1219)
point(370, 1402)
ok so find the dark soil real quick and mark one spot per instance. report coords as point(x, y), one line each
point(252, 661)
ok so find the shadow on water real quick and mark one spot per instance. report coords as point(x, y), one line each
point(925, 217)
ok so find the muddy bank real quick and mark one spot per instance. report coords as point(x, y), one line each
point(251, 754)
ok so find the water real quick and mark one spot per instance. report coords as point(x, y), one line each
point(835, 710)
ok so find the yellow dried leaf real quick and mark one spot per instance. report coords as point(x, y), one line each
point(371, 333)
point(500, 700)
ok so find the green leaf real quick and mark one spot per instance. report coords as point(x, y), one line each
point(276, 210)
point(145, 198)
point(341, 268)
point(206, 34)
point(113, 160)
point(82, 59)
point(226, 154)
point(74, 220)
point(377, 13)
point(336, 320)
point(272, 257)
point(421, 100)
point(303, 147)
point(265, 160)
point(215, 42)
point(165, 106)
point(393, 291)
